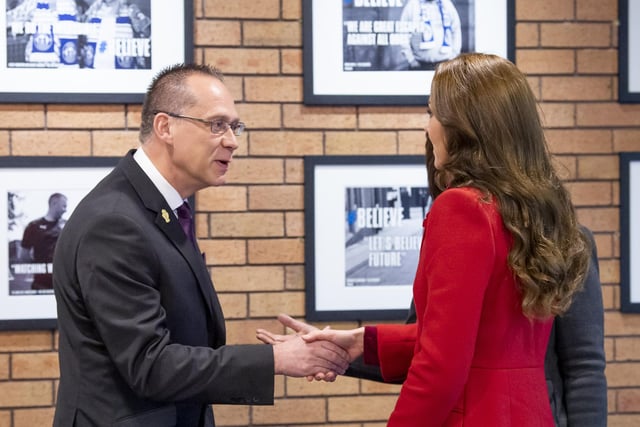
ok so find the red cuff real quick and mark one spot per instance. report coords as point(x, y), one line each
point(370, 353)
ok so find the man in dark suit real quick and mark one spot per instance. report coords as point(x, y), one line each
point(142, 334)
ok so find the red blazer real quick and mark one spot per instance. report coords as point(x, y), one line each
point(472, 359)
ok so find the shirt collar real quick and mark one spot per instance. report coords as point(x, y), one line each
point(169, 193)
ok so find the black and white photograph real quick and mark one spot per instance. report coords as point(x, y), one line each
point(383, 234)
point(386, 51)
point(363, 231)
point(37, 194)
point(35, 220)
point(405, 35)
point(90, 47)
point(630, 232)
point(629, 51)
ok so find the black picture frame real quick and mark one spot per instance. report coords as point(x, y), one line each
point(359, 266)
point(26, 183)
point(58, 69)
point(629, 52)
point(630, 232)
point(329, 79)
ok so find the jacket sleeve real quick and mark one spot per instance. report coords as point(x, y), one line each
point(458, 260)
point(580, 351)
point(359, 369)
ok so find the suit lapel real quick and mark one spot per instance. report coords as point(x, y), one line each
point(167, 222)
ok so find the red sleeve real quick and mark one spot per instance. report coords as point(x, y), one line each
point(457, 264)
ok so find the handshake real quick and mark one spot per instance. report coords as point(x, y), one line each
point(320, 354)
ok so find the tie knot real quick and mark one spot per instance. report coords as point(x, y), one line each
point(184, 211)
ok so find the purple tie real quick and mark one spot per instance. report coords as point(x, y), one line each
point(186, 221)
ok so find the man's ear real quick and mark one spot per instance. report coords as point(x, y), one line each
point(162, 127)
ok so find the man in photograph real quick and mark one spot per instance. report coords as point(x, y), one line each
point(39, 240)
point(438, 36)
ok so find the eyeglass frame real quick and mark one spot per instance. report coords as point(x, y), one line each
point(237, 128)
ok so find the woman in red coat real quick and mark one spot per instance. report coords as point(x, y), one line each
point(502, 254)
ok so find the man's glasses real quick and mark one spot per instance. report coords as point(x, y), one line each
point(218, 126)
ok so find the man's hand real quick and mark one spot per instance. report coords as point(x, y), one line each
point(318, 359)
point(299, 328)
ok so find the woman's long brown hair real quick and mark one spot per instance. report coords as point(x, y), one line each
point(496, 143)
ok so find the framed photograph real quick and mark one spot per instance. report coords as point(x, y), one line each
point(89, 51)
point(385, 52)
point(630, 232)
point(629, 51)
point(363, 231)
point(37, 194)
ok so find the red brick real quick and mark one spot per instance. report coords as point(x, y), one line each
point(276, 197)
point(222, 199)
point(579, 141)
point(85, 116)
point(576, 88)
point(597, 61)
point(262, 9)
point(544, 10)
point(301, 117)
point(590, 193)
point(272, 33)
point(527, 35)
point(249, 278)
point(33, 417)
point(217, 33)
point(273, 89)
point(294, 224)
point(51, 143)
point(34, 365)
point(627, 349)
point(294, 171)
point(291, 60)
point(546, 61)
point(366, 408)
point(597, 10)
point(26, 393)
point(626, 140)
point(4, 143)
point(276, 251)
point(283, 143)
point(288, 411)
point(598, 167)
point(21, 116)
point(250, 224)
point(243, 60)
point(223, 252)
point(339, 143)
point(607, 114)
point(25, 340)
point(270, 304)
point(291, 9)
point(623, 374)
point(575, 34)
point(628, 400)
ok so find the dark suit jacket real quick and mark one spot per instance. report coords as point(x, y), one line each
point(575, 359)
point(142, 335)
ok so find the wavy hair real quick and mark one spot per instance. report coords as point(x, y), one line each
point(496, 143)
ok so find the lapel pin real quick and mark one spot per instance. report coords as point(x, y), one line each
point(166, 216)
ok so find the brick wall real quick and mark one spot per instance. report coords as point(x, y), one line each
point(568, 48)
